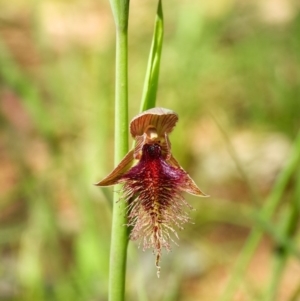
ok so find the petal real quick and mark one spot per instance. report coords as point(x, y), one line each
point(139, 142)
point(189, 185)
point(117, 173)
point(163, 120)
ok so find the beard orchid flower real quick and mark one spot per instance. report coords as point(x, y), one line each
point(153, 187)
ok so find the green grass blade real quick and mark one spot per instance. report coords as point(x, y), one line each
point(267, 212)
point(151, 80)
point(278, 236)
point(288, 229)
point(281, 253)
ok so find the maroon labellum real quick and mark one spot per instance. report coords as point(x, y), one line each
point(154, 186)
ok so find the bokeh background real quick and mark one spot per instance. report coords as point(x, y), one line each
point(230, 69)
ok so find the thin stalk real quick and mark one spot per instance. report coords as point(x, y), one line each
point(119, 237)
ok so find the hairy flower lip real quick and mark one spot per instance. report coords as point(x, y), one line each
point(153, 189)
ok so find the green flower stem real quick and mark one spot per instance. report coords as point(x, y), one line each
point(119, 236)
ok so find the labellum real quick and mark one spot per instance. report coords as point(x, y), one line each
point(154, 186)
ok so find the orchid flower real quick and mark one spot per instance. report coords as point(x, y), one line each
point(154, 182)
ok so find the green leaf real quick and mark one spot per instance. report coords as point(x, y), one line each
point(151, 80)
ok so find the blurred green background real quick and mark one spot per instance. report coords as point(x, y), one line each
point(230, 69)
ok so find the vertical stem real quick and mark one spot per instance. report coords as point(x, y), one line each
point(119, 239)
point(121, 101)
